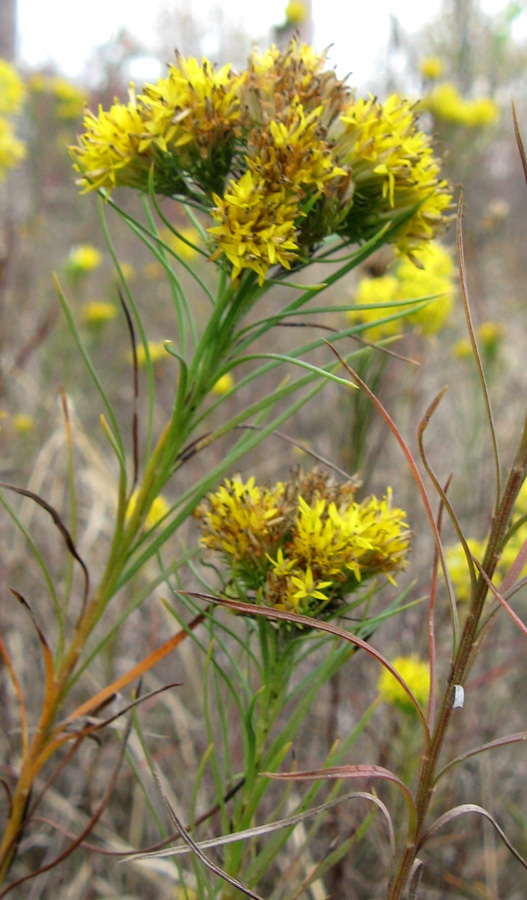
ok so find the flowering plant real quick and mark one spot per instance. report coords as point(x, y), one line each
point(277, 167)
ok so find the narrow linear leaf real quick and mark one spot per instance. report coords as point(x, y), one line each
point(196, 850)
point(135, 419)
point(317, 625)
point(46, 652)
point(360, 771)
point(18, 691)
point(471, 808)
point(419, 482)
point(61, 527)
point(519, 737)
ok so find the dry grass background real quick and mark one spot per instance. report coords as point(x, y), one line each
point(46, 217)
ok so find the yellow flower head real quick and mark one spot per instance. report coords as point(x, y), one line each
point(108, 154)
point(431, 67)
point(82, 259)
point(280, 155)
point(306, 544)
point(96, 313)
point(157, 511)
point(394, 172)
point(12, 90)
point(415, 672)
point(257, 228)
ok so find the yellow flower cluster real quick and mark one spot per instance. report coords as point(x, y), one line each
point(68, 100)
point(446, 104)
point(281, 156)
point(415, 672)
point(12, 93)
point(394, 171)
point(408, 282)
point(303, 545)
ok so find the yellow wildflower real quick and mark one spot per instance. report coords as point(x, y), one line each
point(23, 423)
point(434, 275)
point(431, 67)
point(156, 351)
point(296, 13)
point(96, 313)
point(82, 259)
point(179, 244)
point(128, 271)
point(71, 100)
point(415, 672)
point(446, 104)
point(458, 569)
point(303, 545)
point(109, 153)
point(157, 511)
point(462, 349)
point(394, 172)
point(223, 384)
point(12, 90)
point(257, 228)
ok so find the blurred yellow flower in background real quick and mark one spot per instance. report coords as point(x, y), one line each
point(23, 423)
point(184, 250)
point(97, 313)
point(295, 13)
point(435, 275)
point(431, 67)
point(157, 511)
point(156, 351)
point(446, 104)
point(415, 672)
point(12, 90)
point(82, 259)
